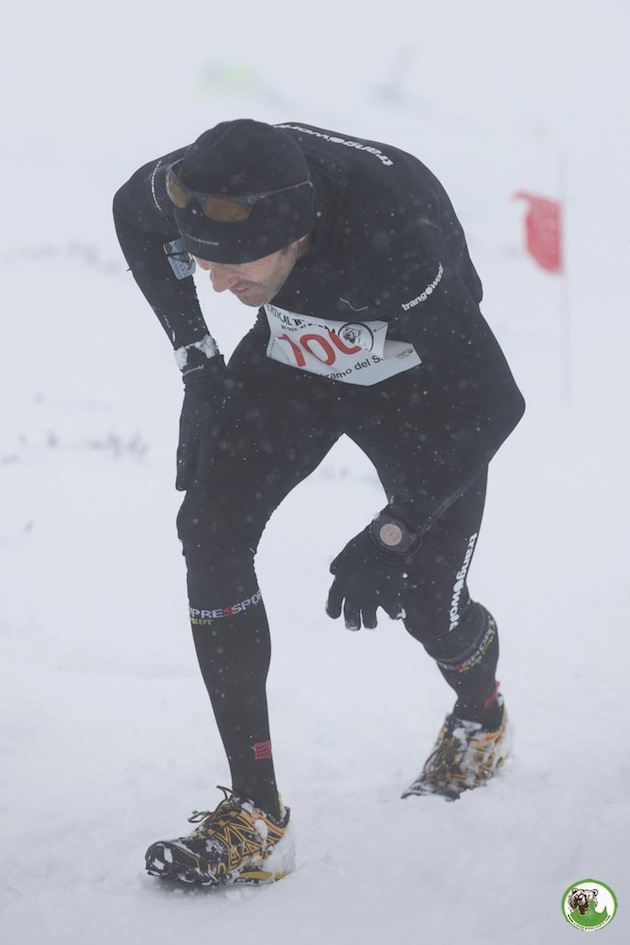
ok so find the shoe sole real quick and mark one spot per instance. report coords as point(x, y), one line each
point(164, 868)
point(246, 878)
point(423, 791)
point(420, 790)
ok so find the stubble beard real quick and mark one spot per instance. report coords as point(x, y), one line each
point(264, 292)
point(256, 299)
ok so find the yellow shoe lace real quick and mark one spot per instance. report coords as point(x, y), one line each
point(209, 819)
point(443, 764)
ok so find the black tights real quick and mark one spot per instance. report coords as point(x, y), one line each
point(291, 422)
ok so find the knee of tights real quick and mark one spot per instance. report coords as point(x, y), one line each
point(463, 640)
point(214, 535)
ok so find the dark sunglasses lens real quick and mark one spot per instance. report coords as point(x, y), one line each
point(175, 191)
point(225, 210)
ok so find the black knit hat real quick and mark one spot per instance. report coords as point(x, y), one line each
point(238, 158)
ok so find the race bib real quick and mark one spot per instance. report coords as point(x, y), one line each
point(352, 352)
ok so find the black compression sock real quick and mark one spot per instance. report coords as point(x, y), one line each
point(263, 794)
point(489, 712)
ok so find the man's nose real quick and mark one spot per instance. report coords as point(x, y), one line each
point(222, 277)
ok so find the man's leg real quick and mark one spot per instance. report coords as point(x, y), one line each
point(458, 633)
point(267, 448)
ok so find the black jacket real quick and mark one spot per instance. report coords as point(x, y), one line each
point(387, 243)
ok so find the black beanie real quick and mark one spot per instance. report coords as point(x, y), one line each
point(237, 158)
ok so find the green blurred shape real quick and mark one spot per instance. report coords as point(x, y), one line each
point(228, 77)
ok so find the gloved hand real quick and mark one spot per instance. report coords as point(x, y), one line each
point(371, 572)
point(205, 395)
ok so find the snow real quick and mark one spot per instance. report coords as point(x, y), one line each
point(207, 346)
point(107, 741)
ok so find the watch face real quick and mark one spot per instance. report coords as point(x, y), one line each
point(391, 534)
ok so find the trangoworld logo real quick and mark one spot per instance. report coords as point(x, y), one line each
point(460, 580)
point(347, 142)
point(206, 617)
point(432, 286)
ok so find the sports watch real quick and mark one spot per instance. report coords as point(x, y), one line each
point(390, 534)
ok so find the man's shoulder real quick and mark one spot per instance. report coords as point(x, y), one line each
point(377, 187)
point(142, 199)
point(363, 158)
point(344, 146)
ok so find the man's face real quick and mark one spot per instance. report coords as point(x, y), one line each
point(254, 283)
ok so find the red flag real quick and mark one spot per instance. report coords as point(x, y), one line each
point(543, 229)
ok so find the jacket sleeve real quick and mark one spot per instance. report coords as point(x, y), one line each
point(432, 300)
point(145, 227)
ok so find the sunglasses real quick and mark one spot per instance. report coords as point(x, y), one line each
point(219, 207)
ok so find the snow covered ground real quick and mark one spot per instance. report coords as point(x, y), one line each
point(106, 737)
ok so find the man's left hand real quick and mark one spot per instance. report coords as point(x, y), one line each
point(367, 576)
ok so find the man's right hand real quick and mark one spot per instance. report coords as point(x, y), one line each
point(205, 394)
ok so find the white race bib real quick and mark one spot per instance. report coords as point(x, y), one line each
point(352, 352)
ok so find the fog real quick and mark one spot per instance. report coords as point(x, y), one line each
point(106, 737)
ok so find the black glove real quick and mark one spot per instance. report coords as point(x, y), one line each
point(205, 395)
point(371, 572)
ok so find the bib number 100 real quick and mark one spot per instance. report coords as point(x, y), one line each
point(324, 349)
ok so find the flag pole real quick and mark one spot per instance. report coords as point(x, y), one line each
point(565, 303)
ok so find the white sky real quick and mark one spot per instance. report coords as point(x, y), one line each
point(545, 62)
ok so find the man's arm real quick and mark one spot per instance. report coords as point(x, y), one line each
point(476, 398)
point(144, 225)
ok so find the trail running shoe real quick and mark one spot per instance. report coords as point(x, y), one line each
point(465, 756)
point(235, 844)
